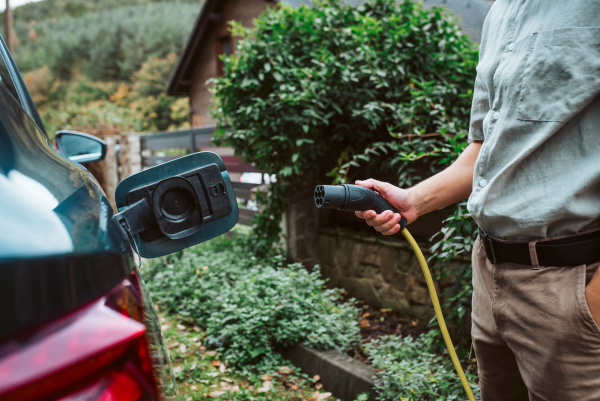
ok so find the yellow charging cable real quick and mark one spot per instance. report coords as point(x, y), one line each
point(438, 313)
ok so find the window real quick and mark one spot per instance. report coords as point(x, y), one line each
point(7, 80)
point(225, 48)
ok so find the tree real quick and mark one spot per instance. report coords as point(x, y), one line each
point(8, 23)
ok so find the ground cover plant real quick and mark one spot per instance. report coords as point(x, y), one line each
point(411, 369)
point(247, 305)
point(203, 374)
point(336, 92)
point(221, 304)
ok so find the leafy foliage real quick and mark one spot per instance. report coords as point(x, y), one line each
point(55, 9)
point(382, 90)
point(410, 370)
point(83, 104)
point(246, 305)
point(108, 45)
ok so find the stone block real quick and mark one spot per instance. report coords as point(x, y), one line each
point(361, 289)
point(299, 227)
point(370, 255)
point(324, 250)
point(419, 295)
point(388, 262)
point(399, 281)
point(343, 255)
point(365, 271)
point(345, 377)
point(392, 298)
point(303, 250)
point(378, 282)
point(422, 312)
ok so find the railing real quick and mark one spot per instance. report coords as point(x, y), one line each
point(155, 146)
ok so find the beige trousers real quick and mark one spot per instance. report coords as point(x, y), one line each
point(533, 334)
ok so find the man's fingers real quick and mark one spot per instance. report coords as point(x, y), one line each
point(392, 230)
point(375, 185)
point(380, 219)
point(388, 224)
point(366, 215)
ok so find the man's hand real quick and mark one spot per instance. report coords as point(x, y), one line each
point(450, 186)
point(387, 222)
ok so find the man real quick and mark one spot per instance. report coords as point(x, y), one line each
point(532, 174)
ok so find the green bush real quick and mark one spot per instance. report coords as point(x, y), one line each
point(248, 306)
point(410, 370)
point(315, 91)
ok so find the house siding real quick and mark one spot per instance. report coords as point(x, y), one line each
point(244, 11)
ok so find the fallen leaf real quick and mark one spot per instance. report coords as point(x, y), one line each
point(266, 377)
point(344, 292)
point(182, 348)
point(225, 385)
point(211, 353)
point(222, 368)
point(284, 370)
point(364, 324)
point(216, 363)
point(366, 315)
point(197, 329)
point(173, 345)
point(233, 389)
point(266, 386)
point(177, 369)
point(181, 326)
point(165, 327)
point(194, 388)
point(323, 396)
point(205, 268)
point(214, 386)
point(202, 347)
point(295, 387)
point(386, 310)
point(228, 379)
point(318, 386)
point(216, 394)
point(316, 378)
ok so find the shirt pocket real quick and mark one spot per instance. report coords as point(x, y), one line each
point(562, 74)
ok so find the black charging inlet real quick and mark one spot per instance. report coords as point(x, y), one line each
point(176, 207)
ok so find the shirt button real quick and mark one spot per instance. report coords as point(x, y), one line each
point(511, 46)
point(482, 182)
point(496, 115)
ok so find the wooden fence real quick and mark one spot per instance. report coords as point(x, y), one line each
point(128, 154)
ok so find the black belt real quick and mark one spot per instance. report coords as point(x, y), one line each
point(580, 249)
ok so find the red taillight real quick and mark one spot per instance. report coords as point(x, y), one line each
point(116, 386)
point(96, 353)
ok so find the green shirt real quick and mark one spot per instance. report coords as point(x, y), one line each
point(537, 109)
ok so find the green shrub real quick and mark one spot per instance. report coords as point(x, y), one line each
point(248, 306)
point(410, 370)
point(337, 90)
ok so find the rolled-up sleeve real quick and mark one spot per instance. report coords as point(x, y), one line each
point(479, 110)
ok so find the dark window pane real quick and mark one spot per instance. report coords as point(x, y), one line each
point(7, 81)
point(226, 46)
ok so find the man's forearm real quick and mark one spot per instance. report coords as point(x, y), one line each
point(449, 186)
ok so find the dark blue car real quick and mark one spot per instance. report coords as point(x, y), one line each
point(76, 322)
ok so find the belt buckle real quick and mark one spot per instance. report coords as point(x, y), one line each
point(487, 238)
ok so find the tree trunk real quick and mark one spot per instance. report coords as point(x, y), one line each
point(8, 23)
